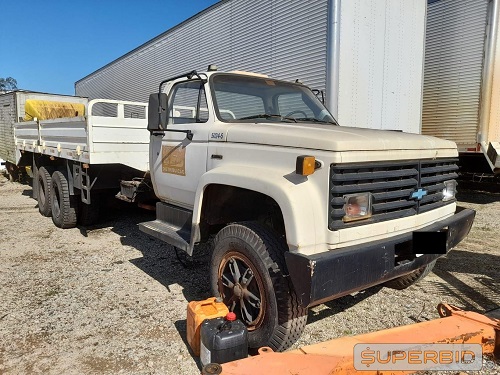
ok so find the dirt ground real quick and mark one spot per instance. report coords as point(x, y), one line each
point(110, 299)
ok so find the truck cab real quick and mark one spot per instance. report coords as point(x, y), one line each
point(302, 210)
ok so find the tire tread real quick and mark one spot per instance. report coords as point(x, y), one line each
point(44, 179)
point(405, 281)
point(292, 318)
point(68, 217)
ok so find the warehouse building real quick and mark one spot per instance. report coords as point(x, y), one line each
point(366, 56)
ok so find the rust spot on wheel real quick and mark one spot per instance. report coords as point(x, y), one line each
point(242, 289)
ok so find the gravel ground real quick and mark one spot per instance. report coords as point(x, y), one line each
point(110, 299)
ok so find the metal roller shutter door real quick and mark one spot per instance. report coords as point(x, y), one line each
point(453, 69)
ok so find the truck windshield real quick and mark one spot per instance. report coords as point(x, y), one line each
point(240, 98)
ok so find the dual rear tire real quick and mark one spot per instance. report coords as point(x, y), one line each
point(54, 200)
point(44, 187)
point(63, 205)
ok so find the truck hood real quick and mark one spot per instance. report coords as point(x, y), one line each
point(331, 138)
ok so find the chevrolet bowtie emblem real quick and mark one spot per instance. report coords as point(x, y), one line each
point(419, 194)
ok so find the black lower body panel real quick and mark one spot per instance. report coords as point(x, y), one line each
point(325, 276)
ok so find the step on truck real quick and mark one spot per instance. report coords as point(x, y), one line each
point(302, 210)
point(77, 160)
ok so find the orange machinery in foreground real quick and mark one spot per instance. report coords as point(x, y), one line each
point(337, 356)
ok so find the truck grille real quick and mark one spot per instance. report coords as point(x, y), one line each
point(391, 185)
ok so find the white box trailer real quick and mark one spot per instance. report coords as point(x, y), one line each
point(366, 56)
point(461, 100)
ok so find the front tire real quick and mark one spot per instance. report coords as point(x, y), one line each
point(63, 204)
point(405, 281)
point(247, 271)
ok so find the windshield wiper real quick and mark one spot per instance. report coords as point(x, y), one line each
point(312, 119)
point(267, 115)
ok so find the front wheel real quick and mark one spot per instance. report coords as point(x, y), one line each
point(247, 271)
point(405, 281)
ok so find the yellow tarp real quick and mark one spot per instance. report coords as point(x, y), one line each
point(45, 110)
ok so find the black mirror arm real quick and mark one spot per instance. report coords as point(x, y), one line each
point(195, 73)
point(189, 133)
point(189, 75)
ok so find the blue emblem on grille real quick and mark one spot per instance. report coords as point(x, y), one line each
point(419, 194)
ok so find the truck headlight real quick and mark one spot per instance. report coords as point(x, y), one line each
point(450, 190)
point(357, 206)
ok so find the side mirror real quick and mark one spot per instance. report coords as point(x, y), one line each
point(157, 111)
point(320, 94)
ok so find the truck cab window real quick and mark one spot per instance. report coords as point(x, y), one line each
point(236, 105)
point(250, 99)
point(294, 105)
point(188, 103)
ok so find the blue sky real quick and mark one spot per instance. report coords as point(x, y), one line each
point(48, 45)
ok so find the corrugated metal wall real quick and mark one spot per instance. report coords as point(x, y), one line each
point(453, 69)
point(285, 39)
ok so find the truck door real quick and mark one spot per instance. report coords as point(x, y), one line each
point(178, 162)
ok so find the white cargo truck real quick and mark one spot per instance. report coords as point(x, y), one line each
point(76, 159)
point(461, 92)
point(302, 210)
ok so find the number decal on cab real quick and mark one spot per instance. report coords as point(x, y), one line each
point(217, 136)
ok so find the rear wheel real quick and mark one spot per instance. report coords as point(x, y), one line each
point(405, 281)
point(247, 271)
point(63, 204)
point(43, 193)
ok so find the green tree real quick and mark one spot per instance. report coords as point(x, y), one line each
point(8, 83)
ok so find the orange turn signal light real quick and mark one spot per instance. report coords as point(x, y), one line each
point(305, 165)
